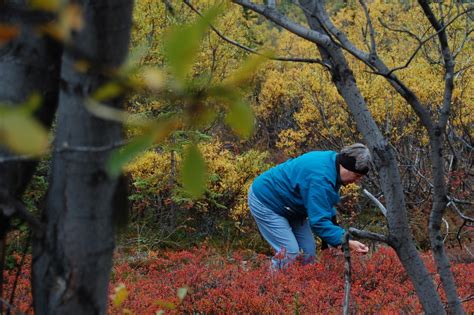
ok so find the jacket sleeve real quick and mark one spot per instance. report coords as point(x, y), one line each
point(319, 200)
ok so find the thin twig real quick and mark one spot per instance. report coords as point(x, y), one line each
point(347, 274)
point(376, 201)
point(18, 272)
point(253, 51)
point(373, 48)
point(452, 203)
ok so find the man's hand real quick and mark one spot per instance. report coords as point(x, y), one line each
point(358, 247)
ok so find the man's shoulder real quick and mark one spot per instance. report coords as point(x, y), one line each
point(318, 156)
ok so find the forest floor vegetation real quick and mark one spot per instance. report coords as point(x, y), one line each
point(204, 280)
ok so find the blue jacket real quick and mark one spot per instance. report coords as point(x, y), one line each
point(307, 186)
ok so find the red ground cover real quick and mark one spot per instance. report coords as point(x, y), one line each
point(243, 283)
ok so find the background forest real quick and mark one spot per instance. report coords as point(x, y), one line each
point(174, 227)
point(297, 109)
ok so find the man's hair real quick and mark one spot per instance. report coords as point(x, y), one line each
point(360, 155)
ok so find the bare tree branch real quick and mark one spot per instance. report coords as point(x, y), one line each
point(370, 235)
point(403, 31)
point(253, 51)
point(373, 48)
point(452, 203)
point(347, 274)
point(11, 206)
point(376, 201)
point(440, 28)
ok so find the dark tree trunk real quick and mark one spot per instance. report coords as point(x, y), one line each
point(28, 64)
point(72, 264)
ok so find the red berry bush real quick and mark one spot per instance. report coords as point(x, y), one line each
point(204, 281)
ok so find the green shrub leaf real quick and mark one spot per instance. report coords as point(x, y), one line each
point(193, 171)
point(182, 43)
point(240, 118)
point(122, 156)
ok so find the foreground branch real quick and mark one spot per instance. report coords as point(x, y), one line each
point(11, 206)
point(370, 235)
point(347, 273)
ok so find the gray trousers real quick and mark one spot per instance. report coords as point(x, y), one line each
point(289, 238)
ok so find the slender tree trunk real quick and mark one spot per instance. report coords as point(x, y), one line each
point(28, 63)
point(439, 206)
point(71, 266)
point(399, 230)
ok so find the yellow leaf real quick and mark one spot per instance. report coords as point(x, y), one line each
point(82, 66)
point(22, 133)
point(120, 295)
point(71, 17)
point(46, 5)
point(107, 91)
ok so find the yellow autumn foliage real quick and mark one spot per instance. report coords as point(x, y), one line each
point(230, 175)
point(297, 106)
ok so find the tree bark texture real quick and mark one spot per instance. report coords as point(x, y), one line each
point(28, 64)
point(71, 265)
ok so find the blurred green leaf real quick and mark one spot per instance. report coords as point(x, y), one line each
point(248, 69)
point(240, 118)
point(107, 91)
point(32, 103)
point(22, 133)
point(122, 156)
point(134, 59)
point(182, 43)
point(193, 171)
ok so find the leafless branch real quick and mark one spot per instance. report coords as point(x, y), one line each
point(347, 274)
point(403, 31)
point(17, 158)
point(376, 201)
point(447, 229)
point(65, 147)
point(370, 235)
point(467, 34)
point(253, 51)
point(468, 298)
point(373, 48)
point(440, 28)
point(11, 206)
point(452, 203)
